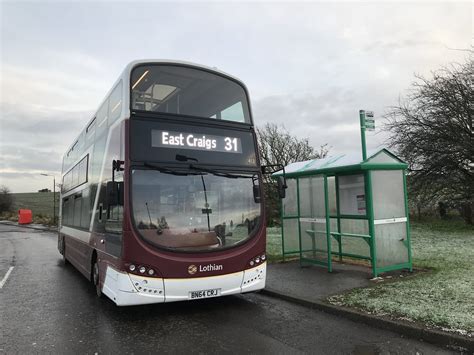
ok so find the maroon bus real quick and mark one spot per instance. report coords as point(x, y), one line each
point(161, 194)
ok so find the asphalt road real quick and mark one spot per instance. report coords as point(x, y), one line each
point(47, 307)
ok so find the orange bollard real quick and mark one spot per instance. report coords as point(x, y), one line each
point(25, 216)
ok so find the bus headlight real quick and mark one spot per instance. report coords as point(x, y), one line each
point(141, 269)
point(257, 260)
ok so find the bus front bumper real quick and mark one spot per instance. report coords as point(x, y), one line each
point(128, 289)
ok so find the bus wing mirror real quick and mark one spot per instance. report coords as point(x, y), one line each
point(114, 193)
point(265, 170)
point(281, 182)
point(256, 189)
point(256, 194)
point(273, 168)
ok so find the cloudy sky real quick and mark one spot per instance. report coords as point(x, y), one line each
point(310, 66)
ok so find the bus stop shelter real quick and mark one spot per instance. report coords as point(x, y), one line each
point(345, 206)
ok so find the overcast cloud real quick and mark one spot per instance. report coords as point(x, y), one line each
point(309, 66)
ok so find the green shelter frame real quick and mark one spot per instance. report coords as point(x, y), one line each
point(343, 206)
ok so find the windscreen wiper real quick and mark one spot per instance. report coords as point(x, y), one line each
point(180, 157)
point(216, 172)
point(167, 170)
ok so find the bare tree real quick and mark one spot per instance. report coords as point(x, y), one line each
point(432, 129)
point(6, 199)
point(278, 146)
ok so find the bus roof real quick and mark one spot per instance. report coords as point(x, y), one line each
point(134, 63)
point(125, 77)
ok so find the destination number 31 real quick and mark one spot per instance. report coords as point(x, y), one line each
point(230, 144)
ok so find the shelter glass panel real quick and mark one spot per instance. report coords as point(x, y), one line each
point(290, 202)
point(314, 240)
point(333, 225)
point(389, 239)
point(352, 245)
point(355, 246)
point(388, 194)
point(314, 243)
point(334, 228)
point(291, 241)
point(352, 194)
point(312, 197)
point(332, 195)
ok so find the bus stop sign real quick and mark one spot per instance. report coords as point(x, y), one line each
point(369, 121)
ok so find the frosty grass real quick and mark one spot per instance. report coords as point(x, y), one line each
point(441, 298)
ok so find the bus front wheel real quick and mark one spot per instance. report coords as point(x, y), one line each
point(96, 278)
point(65, 262)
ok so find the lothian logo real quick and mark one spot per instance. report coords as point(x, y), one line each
point(192, 269)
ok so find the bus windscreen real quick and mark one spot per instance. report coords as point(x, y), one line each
point(198, 211)
point(180, 90)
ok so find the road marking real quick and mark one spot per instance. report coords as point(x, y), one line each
point(5, 278)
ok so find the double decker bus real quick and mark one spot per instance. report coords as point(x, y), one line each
point(161, 195)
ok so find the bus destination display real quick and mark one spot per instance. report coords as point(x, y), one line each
point(194, 141)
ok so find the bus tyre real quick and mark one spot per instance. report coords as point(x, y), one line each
point(65, 262)
point(96, 279)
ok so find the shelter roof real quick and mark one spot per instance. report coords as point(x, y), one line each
point(379, 159)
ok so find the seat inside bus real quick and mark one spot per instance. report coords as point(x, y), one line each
point(190, 92)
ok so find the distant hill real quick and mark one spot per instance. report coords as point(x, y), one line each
point(40, 203)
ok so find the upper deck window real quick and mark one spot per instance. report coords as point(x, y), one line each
point(186, 91)
point(115, 103)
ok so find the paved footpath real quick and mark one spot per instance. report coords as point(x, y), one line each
point(46, 307)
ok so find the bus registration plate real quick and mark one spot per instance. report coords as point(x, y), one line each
point(204, 293)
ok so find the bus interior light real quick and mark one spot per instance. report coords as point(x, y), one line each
point(132, 267)
point(142, 269)
point(140, 79)
point(263, 257)
point(151, 272)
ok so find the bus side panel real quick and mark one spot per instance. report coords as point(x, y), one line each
point(106, 232)
point(78, 254)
